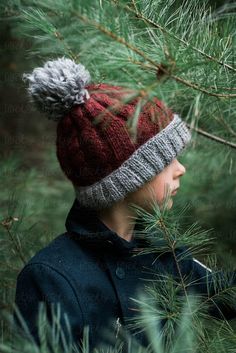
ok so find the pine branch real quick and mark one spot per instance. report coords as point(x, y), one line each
point(212, 137)
point(7, 224)
point(172, 244)
point(39, 19)
point(221, 293)
point(158, 66)
point(139, 15)
point(223, 122)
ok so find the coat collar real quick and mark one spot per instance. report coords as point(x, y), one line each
point(84, 225)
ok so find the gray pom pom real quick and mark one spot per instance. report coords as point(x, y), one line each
point(57, 86)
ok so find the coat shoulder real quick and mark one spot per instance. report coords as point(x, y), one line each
point(62, 254)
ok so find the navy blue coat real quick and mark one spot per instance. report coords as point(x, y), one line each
point(92, 273)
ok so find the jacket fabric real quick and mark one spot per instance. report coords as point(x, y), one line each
point(94, 274)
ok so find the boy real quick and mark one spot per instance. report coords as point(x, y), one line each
point(116, 217)
point(89, 270)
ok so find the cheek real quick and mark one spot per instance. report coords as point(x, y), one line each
point(155, 189)
point(160, 184)
point(159, 189)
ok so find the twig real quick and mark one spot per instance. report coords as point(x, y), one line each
point(156, 25)
point(157, 65)
point(51, 30)
point(172, 247)
point(203, 90)
point(60, 37)
point(7, 223)
point(151, 67)
point(226, 88)
point(212, 137)
point(223, 122)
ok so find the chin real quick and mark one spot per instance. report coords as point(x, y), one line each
point(170, 203)
point(147, 205)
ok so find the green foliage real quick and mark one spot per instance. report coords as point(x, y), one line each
point(165, 232)
point(187, 327)
point(34, 204)
point(184, 53)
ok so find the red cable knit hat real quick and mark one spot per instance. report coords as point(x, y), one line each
point(95, 145)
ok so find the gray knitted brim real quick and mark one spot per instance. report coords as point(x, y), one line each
point(146, 162)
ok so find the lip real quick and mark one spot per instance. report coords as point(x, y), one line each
point(174, 192)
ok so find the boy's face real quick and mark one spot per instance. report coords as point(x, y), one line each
point(155, 189)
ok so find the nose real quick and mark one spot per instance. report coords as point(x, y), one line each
point(181, 168)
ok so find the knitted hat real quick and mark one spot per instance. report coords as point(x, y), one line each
point(96, 147)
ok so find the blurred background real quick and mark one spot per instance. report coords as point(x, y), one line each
point(38, 196)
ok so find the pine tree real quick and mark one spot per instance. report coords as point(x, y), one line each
point(184, 54)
